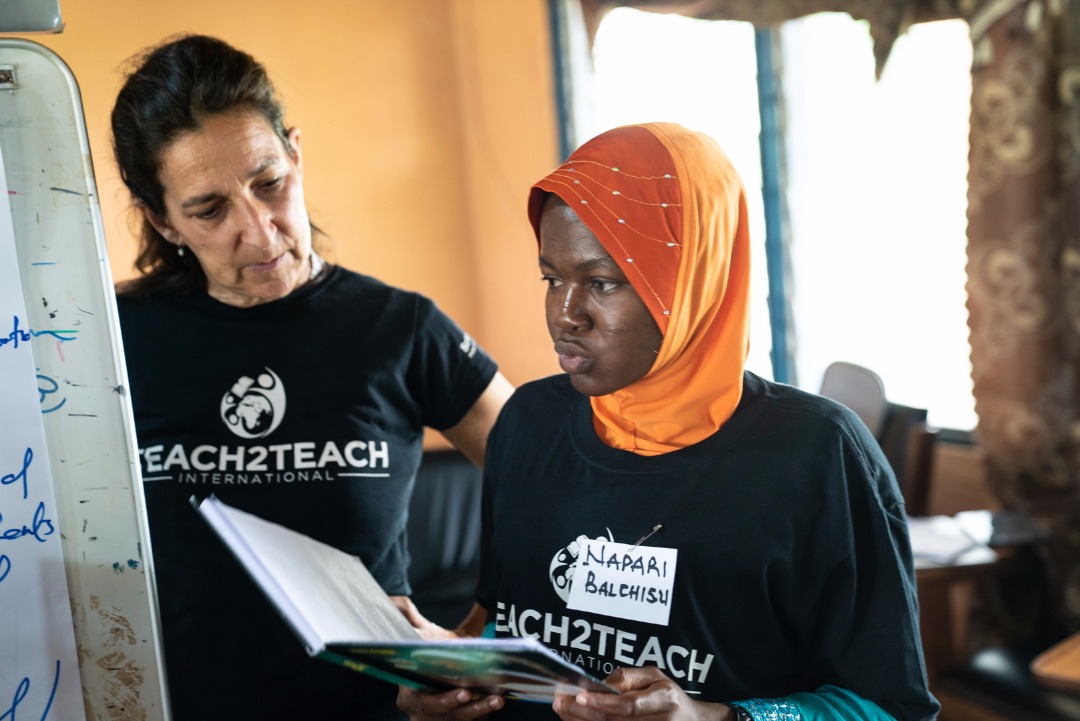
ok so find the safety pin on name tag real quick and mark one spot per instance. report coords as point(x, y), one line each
point(648, 535)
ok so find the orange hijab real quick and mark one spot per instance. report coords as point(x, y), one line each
point(668, 206)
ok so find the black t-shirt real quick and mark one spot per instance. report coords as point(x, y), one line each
point(309, 412)
point(793, 565)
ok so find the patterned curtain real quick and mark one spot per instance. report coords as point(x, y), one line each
point(1023, 236)
point(1024, 267)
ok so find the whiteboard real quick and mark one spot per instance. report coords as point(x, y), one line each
point(81, 387)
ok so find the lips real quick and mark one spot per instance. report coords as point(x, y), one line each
point(268, 265)
point(572, 358)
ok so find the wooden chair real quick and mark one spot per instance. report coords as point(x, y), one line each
point(1058, 667)
point(909, 443)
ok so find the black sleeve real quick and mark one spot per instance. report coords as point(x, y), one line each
point(448, 371)
point(867, 637)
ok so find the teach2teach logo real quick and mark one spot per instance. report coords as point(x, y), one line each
point(254, 407)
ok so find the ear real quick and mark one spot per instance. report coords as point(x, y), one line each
point(162, 226)
point(294, 148)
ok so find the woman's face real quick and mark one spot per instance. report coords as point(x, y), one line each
point(604, 335)
point(234, 198)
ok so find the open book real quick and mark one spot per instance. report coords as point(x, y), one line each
point(343, 616)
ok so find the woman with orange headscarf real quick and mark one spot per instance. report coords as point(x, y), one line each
point(711, 544)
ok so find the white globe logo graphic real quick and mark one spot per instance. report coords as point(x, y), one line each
point(253, 408)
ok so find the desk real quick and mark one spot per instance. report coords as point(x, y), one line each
point(1059, 666)
point(946, 591)
point(944, 603)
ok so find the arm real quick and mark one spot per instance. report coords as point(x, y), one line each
point(470, 434)
point(825, 704)
point(649, 692)
point(473, 625)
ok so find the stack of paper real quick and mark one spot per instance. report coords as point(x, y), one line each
point(943, 540)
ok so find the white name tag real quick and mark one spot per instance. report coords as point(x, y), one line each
point(624, 581)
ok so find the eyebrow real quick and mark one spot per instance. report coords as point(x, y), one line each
point(605, 262)
point(207, 197)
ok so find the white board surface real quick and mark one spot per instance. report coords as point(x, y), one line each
point(78, 389)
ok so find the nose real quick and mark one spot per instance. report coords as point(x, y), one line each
point(570, 312)
point(257, 225)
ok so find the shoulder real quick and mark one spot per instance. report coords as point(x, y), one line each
point(535, 419)
point(533, 404)
point(830, 458)
point(137, 308)
point(806, 424)
point(536, 402)
point(348, 294)
point(129, 300)
point(342, 280)
point(355, 286)
point(552, 391)
point(779, 402)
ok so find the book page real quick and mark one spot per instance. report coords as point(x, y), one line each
point(326, 594)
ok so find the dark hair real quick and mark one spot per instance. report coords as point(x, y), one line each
point(172, 89)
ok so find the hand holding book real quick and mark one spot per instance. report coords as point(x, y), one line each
point(342, 615)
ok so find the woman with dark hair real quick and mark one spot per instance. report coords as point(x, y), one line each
point(713, 545)
point(285, 385)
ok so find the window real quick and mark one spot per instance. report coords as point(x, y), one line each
point(703, 75)
point(876, 181)
point(877, 192)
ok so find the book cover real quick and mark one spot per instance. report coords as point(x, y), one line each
point(342, 615)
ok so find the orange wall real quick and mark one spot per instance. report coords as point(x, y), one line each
point(423, 124)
